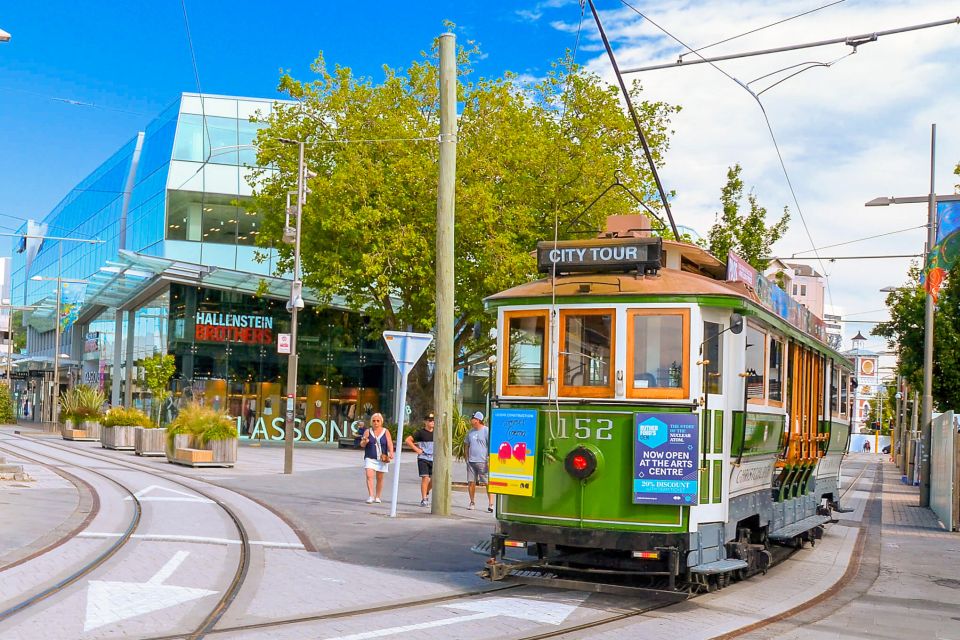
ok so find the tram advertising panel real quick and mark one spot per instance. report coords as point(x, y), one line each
point(513, 441)
point(665, 458)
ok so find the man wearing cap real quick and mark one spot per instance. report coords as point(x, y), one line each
point(478, 459)
point(421, 441)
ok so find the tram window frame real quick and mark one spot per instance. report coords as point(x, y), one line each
point(521, 389)
point(586, 391)
point(834, 390)
point(771, 338)
point(666, 393)
point(844, 393)
point(762, 398)
point(713, 351)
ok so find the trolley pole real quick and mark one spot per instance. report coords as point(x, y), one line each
point(443, 372)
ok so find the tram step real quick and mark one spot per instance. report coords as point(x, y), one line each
point(792, 530)
point(482, 548)
point(719, 566)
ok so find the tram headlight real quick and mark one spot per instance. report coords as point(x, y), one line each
point(583, 461)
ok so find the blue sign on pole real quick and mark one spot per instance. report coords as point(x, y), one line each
point(665, 466)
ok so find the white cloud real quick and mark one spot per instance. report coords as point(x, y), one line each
point(848, 133)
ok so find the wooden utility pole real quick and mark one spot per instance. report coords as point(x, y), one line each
point(443, 371)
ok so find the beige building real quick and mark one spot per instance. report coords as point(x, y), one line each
point(801, 282)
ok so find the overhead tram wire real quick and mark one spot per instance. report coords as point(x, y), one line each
point(773, 137)
point(772, 24)
point(843, 244)
point(636, 120)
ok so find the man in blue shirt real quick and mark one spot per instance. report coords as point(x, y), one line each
point(478, 459)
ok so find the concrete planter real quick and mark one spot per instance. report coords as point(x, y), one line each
point(88, 431)
point(216, 453)
point(149, 442)
point(120, 437)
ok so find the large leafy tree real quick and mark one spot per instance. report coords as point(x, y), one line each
point(904, 333)
point(529, 158)
point(744, 232)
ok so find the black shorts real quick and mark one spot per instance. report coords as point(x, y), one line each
point(425, 467)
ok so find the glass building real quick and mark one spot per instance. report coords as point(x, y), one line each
point(175, 269)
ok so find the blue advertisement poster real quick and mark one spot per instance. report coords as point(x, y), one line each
point(513, 442)
point(665, 458)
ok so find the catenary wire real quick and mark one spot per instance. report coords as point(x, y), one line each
point(75, 103)
point(879, 235)
point(773, 137)
point(772, 24)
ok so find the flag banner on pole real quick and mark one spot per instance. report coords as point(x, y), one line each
point(944, 253)
point(33, 243)
point(71, 299)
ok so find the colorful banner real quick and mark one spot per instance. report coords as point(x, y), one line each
point(946, 250)
point(71, 299)
point(665, 458)
point(774, 298)
point(513, 451)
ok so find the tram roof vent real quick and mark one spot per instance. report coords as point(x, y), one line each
point(629, 226)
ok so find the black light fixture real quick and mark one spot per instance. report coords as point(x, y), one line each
point(580, 463)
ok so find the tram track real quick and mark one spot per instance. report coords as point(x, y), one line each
point(90, 566)
point(236, 582)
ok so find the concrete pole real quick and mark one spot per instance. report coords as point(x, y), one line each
point(443, 371)
point(927, 414)
point(117, 355)
point(56, 340)
point(128, 366)
point(293, 358)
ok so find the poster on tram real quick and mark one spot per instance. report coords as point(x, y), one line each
point(665, 469)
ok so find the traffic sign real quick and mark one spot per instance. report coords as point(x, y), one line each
point(283, 343)
point(406, 347)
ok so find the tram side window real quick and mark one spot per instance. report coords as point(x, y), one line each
point(658, 348)
point(844, 392)
point(526, 353)
point(775, 371)
point(834, 389)
point(587, 348)
point(756, 365)
point(714, 354)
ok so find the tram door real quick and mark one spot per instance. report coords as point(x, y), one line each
point(715, 418)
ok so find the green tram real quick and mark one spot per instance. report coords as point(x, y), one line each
point(741, 408)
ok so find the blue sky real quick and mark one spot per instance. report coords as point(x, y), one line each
point(848, 133)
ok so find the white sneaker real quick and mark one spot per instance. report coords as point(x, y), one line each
point(424, 503)
point(377, 500)
point(370, 500)
point(471, 507)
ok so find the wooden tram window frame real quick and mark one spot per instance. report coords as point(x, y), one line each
point(783, 369)
point(521, 389)
point(766, 363)
point(565, 390)
point(665, 393)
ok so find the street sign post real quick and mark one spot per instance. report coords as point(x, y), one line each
point(406, 348)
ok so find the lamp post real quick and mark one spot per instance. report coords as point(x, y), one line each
point(928, 317)
point(857, 342)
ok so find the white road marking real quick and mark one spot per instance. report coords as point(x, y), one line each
point(532, 610)
point(157, 537)
point(179, 496)
point(109, 601)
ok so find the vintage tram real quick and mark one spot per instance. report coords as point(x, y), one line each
point(661, 414)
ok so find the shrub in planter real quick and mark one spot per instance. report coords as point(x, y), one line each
point(82, 408)
point(119, 426)
point(199, 429)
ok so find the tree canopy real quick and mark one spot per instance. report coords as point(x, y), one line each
point(746, 233)
point(529, 157)
point(904, 333)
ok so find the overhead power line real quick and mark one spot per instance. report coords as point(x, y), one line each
point(843, 244)
point(886, 257)
point(850, 41)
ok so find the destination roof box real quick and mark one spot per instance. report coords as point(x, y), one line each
point(642, 255)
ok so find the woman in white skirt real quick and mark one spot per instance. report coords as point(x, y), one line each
point(377, 454)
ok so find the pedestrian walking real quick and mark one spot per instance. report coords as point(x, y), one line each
point(478, 459)
point(377, 453)
point(421, 441)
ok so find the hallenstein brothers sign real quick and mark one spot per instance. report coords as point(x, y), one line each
point(234, 327)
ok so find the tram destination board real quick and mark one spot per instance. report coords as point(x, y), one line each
point(614, 255)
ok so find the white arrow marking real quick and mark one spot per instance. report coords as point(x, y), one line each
point(179, 496)
point(533, 610)
point(109, 602)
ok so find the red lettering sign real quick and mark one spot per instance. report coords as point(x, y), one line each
point(245, 335)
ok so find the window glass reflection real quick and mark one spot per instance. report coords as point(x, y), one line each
point(755, 362)
point(658, 351)
point(587, 346)
point(208, 217)
point(526, 351)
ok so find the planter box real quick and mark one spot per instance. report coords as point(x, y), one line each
point(119, 437)
point(86, 431)
point(149, 442)
point(216, 453)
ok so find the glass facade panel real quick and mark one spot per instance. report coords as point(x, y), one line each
point(208, 217)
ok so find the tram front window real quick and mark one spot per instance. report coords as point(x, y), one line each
point(657, 350)
point(525, 350)
point(587, 341)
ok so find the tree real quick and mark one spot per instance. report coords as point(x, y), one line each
point(157, 371)
point(7, 414)
point(746, 234)
point(19, 334)
point(883, 411)
point(904, 333)
point(527, 156)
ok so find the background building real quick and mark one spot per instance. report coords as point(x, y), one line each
point(179, 272)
